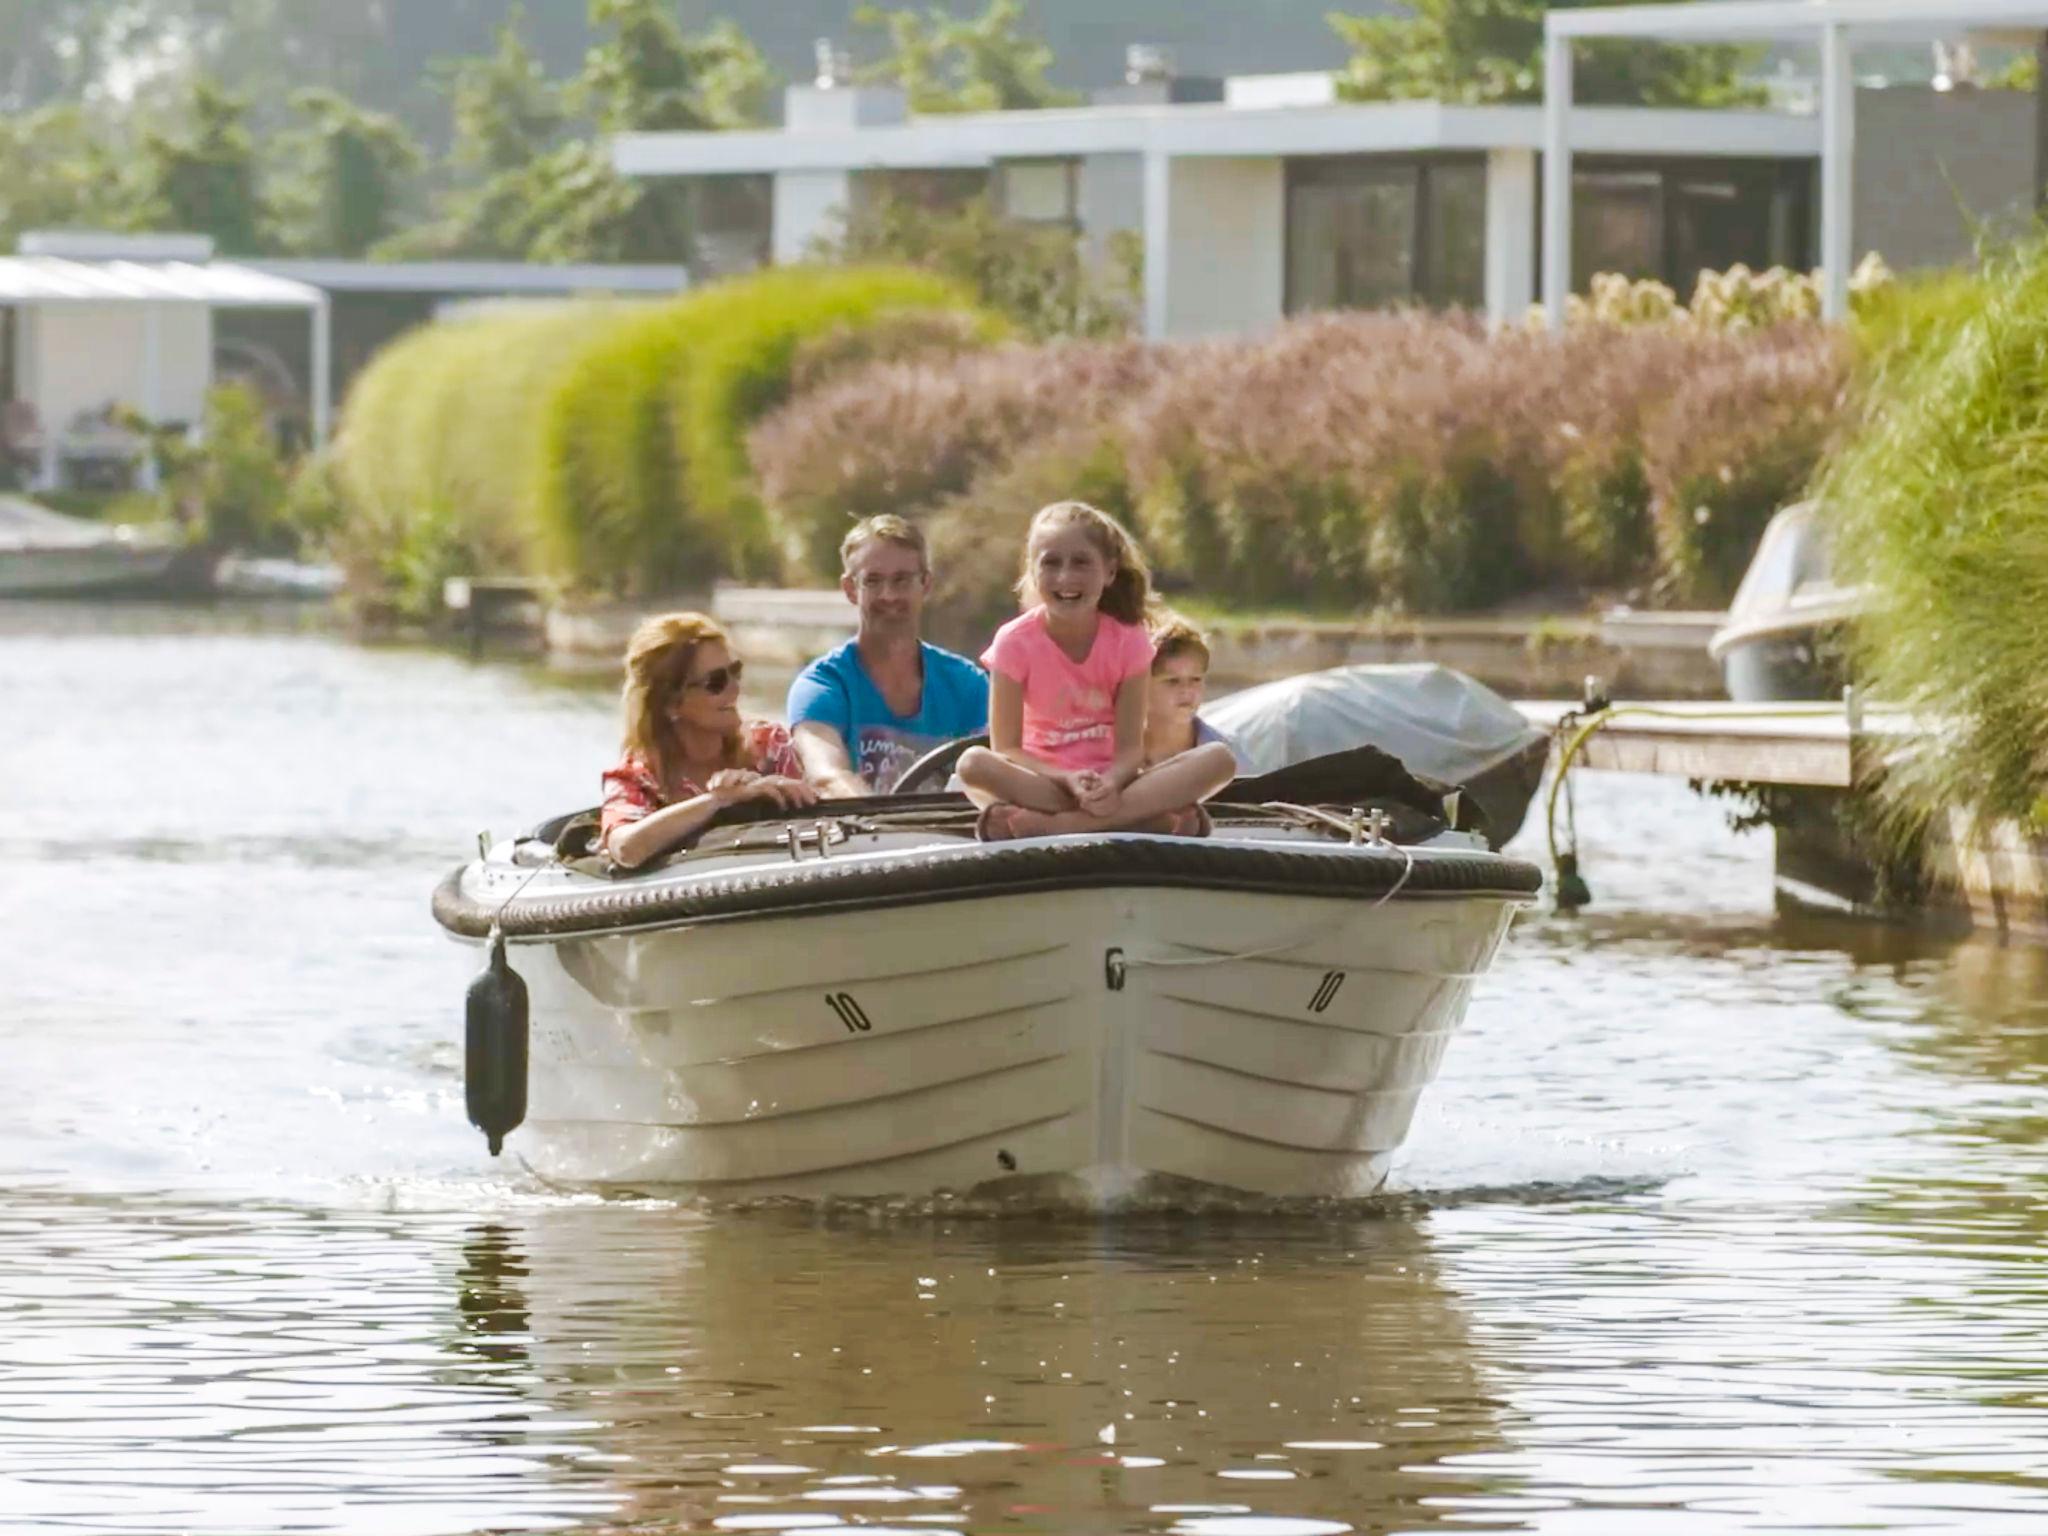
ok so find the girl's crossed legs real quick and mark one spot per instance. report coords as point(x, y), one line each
point(1027, 803)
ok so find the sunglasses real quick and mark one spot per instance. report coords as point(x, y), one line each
point(718, 679)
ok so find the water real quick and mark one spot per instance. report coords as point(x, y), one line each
point(1715, 1222)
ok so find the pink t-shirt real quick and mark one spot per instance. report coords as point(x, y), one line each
point(1069, 706)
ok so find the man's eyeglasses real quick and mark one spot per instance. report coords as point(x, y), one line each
point(718, 679)
point(900, 583)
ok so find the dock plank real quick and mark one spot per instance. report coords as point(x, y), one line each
point(1794, 744)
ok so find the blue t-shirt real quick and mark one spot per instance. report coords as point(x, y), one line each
point(835, 690)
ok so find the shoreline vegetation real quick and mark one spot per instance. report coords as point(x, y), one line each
point(1343, 464)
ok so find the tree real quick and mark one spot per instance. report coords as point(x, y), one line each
point(507, 111)
point(1485, 51)
point(203, 175)
point(946, 63)
point(648, 76)
point(59, 169)
point(350, 183)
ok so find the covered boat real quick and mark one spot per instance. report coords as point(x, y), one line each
point(1440, 723)
point(45, 553)
point(866, 1001)
point(1782, 641)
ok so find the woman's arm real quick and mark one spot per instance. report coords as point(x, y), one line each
point(662, 831)
point(659, 831)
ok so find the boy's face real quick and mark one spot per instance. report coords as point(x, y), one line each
point(1176, 690)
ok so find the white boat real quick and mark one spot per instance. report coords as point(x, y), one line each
point(868, 1002)
point(1784, 637)
point(45, 553)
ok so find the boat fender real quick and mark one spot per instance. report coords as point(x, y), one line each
point(494, 1047)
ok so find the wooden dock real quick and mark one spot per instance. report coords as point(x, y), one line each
point(1820, 757)
point(1816, 746)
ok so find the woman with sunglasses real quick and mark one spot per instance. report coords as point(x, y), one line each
point(687, 752)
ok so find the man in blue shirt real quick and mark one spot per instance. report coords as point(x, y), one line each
point(859, 715)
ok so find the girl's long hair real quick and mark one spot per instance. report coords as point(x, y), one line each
point(657, 663)
point(1128, 597)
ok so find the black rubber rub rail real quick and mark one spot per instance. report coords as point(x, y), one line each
point(981, 870)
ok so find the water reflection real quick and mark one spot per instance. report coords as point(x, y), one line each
point(729, 1369)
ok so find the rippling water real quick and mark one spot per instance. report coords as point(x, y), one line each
point(1714, 1222)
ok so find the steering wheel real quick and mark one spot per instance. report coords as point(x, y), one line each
point(930, 772)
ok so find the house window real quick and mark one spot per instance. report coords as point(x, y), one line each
point(1039, 191)
point(935, 191)
point(1617, 224)
point(732, 223)
point(1454, 234)
point(1672, 220)
point(1368, 231)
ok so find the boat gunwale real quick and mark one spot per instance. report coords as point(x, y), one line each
point(821, 886)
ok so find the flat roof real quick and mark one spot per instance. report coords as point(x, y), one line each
point(222, 284)
point(481, 278)
point(971, 140)
point(2018, 22)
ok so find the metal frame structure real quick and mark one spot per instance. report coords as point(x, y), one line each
point(36, 281)
point(1837, 25)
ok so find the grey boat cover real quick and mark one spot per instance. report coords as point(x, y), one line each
point(1440, 723)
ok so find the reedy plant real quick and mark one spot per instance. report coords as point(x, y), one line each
point(1939, 507)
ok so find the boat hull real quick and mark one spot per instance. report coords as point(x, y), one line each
point(1095, 1045)
point(65, 570)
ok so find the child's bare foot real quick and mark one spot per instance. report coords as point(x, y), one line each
point(1002, 822)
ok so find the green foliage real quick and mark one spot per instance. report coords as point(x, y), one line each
point(1487, 51)
point(1037, 277)
point(649, 76)
point(351, 182)
point(59, 168)
point(948, 63)
point(202, 172)
point(506, 109)
point(439, 453)
point(239, 481)
point(609, 502)
point(738, 370)
point(1940, 505)
point(600, 446)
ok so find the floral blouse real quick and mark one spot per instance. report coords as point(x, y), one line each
point(631, 791)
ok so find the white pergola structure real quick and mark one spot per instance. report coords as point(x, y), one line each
point(1837, 25)
point(107, 319)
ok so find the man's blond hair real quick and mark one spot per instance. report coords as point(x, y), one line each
point(882, 528)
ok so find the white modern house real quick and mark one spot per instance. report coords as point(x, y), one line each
point(94, 324)
point(1262, 196)
point(1990, 157)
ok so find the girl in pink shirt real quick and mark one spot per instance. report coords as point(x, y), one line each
point(1068, 685)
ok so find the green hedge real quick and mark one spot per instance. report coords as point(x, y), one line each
point(599, 446)
point(439, 453)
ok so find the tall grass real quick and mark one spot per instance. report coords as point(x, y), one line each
point(1940, 504)
point(1351, 462)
